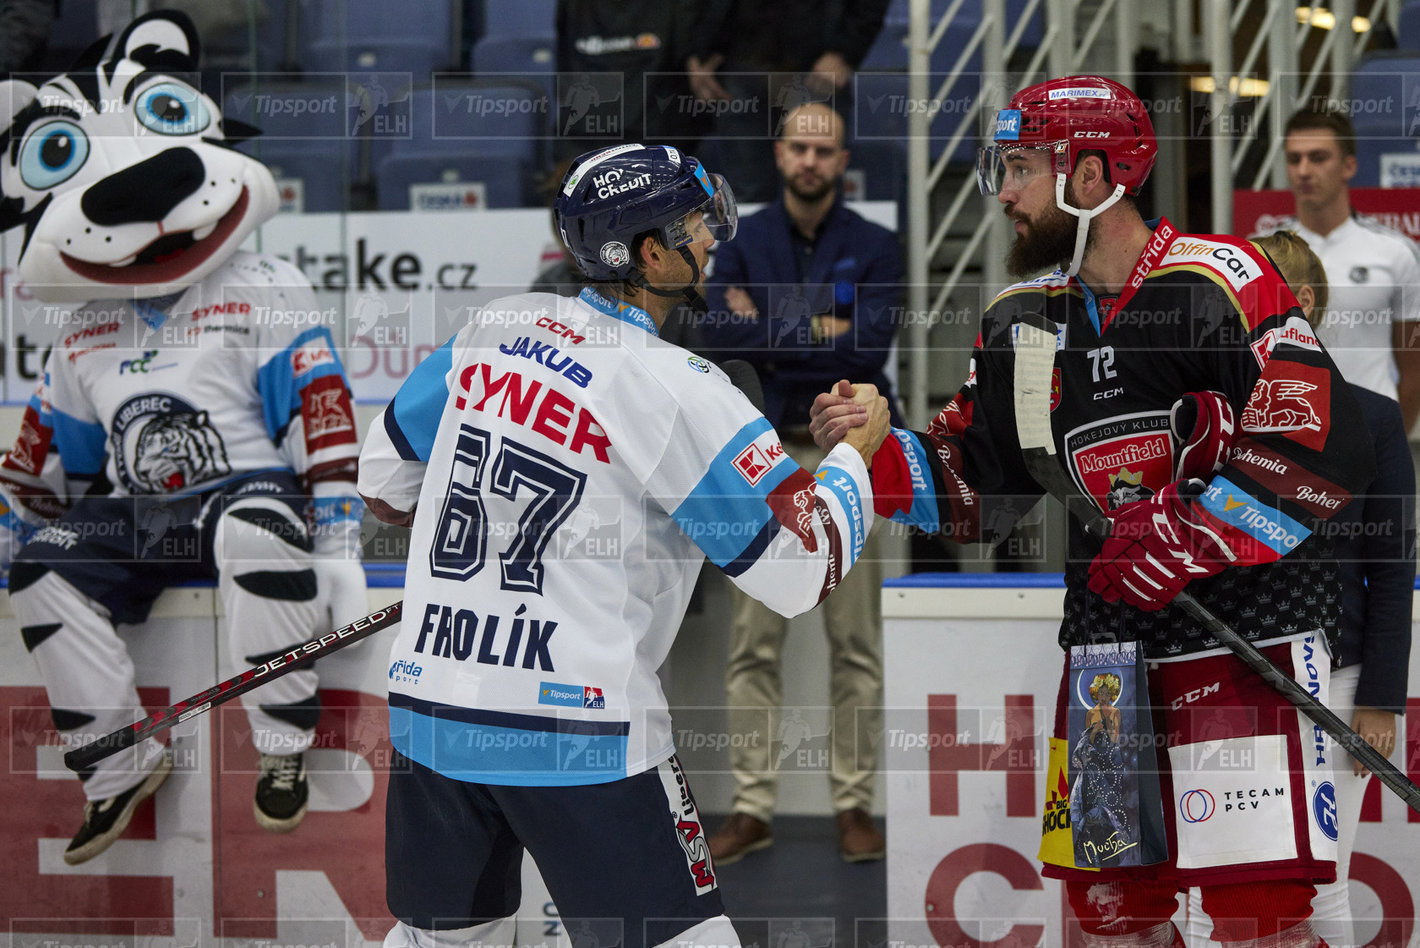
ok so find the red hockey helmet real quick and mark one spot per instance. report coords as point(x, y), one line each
point(1069, 116)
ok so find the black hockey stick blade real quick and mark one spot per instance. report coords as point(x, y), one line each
point(85, 756)
point(1035, 343)
point(746, 379)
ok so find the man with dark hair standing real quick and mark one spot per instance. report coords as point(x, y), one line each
point(1373, 327)
point(806, 294)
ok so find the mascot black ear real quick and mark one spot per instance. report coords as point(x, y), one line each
point(164, 41)
point(15, 96)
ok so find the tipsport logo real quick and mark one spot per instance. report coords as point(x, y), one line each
point(1008, 125)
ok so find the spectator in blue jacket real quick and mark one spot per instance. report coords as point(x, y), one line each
point(808, 293)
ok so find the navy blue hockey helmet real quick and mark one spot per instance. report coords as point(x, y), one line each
point(612, 195)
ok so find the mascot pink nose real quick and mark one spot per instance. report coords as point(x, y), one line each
point(146, 192)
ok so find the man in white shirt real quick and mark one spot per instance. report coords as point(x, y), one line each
point(1372, 329)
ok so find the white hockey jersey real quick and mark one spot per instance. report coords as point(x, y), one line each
point(238, 374)
point(571, 472)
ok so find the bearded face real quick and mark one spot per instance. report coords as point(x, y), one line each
point(1047, 240)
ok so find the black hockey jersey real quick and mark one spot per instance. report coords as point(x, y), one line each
point(1198, 313)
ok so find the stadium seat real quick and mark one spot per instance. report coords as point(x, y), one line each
point(467, 132)
point(530, 58)
point(1407, 31)
point(415, 59)
point(371, 35)
point(1385, 109)
point(519, 17)
point(306, 136)
point(881, 104)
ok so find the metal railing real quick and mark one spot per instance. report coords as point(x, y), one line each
point(998, 39)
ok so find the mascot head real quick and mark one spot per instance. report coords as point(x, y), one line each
point(122, 171)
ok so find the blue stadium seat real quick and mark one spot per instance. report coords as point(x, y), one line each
point(376, 19)
point(884, 167)
point(519, 17)
point(1385, 109)
point(533, 57)
point(415, 58)
point(464, 132)
point(881, 104)
point(306, 135)
point(889, 50)
point(1407, 31)
point(374, 35)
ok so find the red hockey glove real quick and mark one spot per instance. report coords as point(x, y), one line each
point(1203, 425)
point(1157, 546)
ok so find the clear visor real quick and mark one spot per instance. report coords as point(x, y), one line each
point(1010, 166)
point(718, 218)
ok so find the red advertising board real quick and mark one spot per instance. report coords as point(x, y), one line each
point(1261, 211)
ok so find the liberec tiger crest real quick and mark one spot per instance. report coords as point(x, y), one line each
point(1126, 487)
point(122, 171)
point(161, 444)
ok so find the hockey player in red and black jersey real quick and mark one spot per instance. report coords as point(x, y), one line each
point(1193, 404)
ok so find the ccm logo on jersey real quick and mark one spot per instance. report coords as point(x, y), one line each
point(1295, 331)
point(308, 357)
point(1227, 260)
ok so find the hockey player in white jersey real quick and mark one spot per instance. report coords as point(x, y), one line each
point(193, 420)
point(526, 712)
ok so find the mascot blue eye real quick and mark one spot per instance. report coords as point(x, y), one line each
point(52, 154)
point(172, 109)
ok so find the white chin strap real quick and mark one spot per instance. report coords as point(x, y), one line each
point(1082, 227)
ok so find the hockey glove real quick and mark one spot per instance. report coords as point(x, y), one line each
point(1157, 547)
point(1204, 428)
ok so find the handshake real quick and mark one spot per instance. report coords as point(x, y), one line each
point(856, 414)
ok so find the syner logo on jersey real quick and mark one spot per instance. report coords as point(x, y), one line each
point(161, 444)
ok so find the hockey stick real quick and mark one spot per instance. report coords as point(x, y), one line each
point(91, 753)
point(741, 373)
point(1035, 361)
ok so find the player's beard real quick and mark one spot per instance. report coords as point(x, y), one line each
point(1049, 241)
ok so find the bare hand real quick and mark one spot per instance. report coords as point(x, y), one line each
point(385, 513)
point(1378, 729)
point(831, 327)
point(834, 414)
point(830, 71)
point(868, 437)
point(740, 302)
point(702, 77)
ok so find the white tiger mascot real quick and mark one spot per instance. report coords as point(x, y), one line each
point(194, 420)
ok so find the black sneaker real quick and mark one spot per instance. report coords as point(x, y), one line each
point(105, 820)
point(281, 792)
